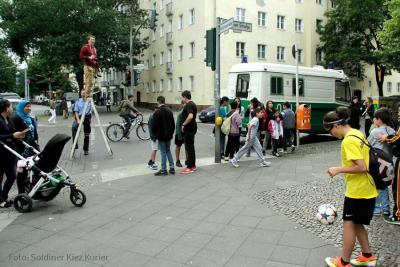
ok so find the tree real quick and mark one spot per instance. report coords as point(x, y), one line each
point(350, 37)
point(390, 36)
point(7, 72)
point(58, 29)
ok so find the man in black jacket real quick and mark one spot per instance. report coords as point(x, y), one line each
point(163, 130)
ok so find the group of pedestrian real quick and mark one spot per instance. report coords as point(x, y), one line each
point(362, 198)
point(13, 128)
point(162, 127)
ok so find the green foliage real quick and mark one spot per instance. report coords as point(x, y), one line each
point(7, 72)
point(350, 36)
point(58, 29)
point(390, 36)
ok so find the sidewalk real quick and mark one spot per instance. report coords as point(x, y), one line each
point(208, 218)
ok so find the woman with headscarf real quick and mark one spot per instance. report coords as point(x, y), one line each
point(23, 119)
point(7, 160)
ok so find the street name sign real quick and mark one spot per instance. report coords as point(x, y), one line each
point(226, 25)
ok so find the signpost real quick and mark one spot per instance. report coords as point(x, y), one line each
point(223, 25)
point(295, 54)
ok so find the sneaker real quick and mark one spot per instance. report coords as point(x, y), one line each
point(172, 171)
point(234, 162)
point(361, 260)
point(155, 164)
point(226, 158)
point(178, 164)
point(393, 220)
point(152, 166)
point(386, 212)
point(161, 173)
point(335, 262)
point(265, 164)
point(86, 152)
point(194, 168)
point(186, 171)
point(263, 152)
point(377, 212)
point(293, 148)
point(222, 157)
point(276, 154)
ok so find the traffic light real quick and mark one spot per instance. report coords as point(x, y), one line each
point(128, 78)
point(153, 19)
point(211, 48)
point(136, 77)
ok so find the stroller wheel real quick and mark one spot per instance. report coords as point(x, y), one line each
point(77, 197)
point(23, 203)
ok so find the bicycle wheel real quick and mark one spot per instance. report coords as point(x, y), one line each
point(142, 131)
point(115, 132)
point(139, 118)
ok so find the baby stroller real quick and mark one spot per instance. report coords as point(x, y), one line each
point(45, 177)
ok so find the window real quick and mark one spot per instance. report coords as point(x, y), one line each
point(300, 55)
point(299, 25)
point(191, 16)
point(180, 84)
point(318, 24)
point(342, 91)
point(180, 22)
point(389, 87)
point(161, 85)
point(154, 35)
point(240, 49)
point(161, 58)
point(319, 2)
point(148, 87)
point(191, 50)
point(280, 53)
point(261, 19)
point(153, 86)
point(319, 56)
point(261, 51)
point(242, 85)
point(333, 4)
point(240, 14)
point(370, 84)
point(153, 61)
point(276, 86)
point(301, 86)
point(170, 25)
point(169, 55)
point(170, 84)
point(280, 22)
point(191, 83)
point(398, 87)
point(162, 30)
point(180, 53)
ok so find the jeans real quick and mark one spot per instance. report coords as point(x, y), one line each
point(222, 143)
point(189, 146)
point(247, 146)
point(127, 118)
point(165, 151)
point(382, 201)
point(7, 167)
point(288, 137)
point(86, 129)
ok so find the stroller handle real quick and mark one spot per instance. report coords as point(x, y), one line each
point(29, 146)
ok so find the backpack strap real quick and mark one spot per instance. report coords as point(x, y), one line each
point(362, 140)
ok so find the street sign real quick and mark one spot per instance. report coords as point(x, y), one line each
point(242, 26)
point(226, 25)
point(138, 67)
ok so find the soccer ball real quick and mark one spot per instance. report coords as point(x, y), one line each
point(326, 214)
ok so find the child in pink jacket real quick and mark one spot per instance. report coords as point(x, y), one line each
point(275, 128)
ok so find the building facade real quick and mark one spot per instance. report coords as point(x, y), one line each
point(175, 59)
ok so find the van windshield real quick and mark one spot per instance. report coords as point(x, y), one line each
point(342, 91)
point(242, 85)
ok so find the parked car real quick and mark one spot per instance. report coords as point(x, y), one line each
point(14, 98)
point(207, 115)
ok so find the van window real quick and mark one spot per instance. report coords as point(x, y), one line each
point(301, 86)
point(276, 86)
point(342, 91)
point(242, 85)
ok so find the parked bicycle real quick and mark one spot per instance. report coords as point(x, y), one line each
point(115, 131)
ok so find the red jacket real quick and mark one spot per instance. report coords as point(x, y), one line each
point(86, 52)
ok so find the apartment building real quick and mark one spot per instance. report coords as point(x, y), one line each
point(175, 59)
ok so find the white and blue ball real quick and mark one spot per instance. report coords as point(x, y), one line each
point(326, 214)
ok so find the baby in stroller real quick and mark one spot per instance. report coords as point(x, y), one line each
point(45, 178)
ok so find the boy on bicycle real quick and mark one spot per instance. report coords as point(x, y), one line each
point(128, 112)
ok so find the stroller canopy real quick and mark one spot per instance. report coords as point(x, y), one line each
point(49, 157)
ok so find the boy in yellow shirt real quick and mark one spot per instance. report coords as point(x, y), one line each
point(360, 192)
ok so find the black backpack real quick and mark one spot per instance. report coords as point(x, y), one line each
point(380, 166)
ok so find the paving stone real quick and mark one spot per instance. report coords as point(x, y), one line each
point(235, 232)
point(318, 255)
point(300, 238)
point(210, 258)
point(10, 247)
point(265, 236)
point(150, 247)
point(195, 214)
point(208, 228)
point(246, 221)
point(255, 249)
point(223, 244)
point(129, 258)
point(141, 229)
point(277, 222)
point(257, 211)
point(280, 264)
point(242, 261)
point(194, 239)
point(166, 234)
point(178, 253)
point(162, 263)
point(183, 224)
point(297, 256)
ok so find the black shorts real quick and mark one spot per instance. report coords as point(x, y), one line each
point(359, 211)
point(178, 142)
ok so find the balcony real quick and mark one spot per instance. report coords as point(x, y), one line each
point(168, 68)
point(169, 11)
point(169, 38)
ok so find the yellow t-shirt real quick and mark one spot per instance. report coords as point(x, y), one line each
point(358, 185)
